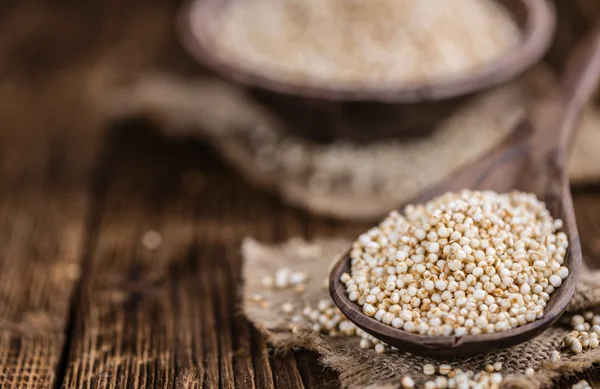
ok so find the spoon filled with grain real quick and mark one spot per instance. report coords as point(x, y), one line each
point(460, 272)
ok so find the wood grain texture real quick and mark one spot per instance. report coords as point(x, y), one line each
point(45, 170)
point(170, 317)
point(587, 207)
point(40, 250)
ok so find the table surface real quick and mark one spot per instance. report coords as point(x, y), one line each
point(84, 304)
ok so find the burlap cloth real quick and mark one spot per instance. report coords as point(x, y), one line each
point(363, 368)
point(367, 180)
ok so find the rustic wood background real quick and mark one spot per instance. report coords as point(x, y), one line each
point(83, 304)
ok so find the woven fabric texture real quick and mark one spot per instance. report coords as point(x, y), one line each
point(392, 172)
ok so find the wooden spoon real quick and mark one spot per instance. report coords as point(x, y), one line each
point(532, 159)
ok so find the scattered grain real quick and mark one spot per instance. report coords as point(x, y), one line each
point(287, 308)
point(529, 372)
point(583, 384)
point(408, 382)
point(429, 369)
point(585, 334)
point(445, 369)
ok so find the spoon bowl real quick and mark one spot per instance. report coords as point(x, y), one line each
point(454, 346)
point(531, 159)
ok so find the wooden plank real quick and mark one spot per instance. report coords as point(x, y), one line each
point(261, 362)
point(587, 212)
point(125, 332)
point(44, 198)
point(47, 148)
point(314, 375)
point(40, 249)
point(48, 137)
point(285, 372)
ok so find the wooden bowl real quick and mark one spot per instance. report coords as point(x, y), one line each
point(326, 113)
point(324, 121)
point(535, 18)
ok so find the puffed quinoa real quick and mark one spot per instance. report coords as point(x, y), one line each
point(287, 308)
point(257, 298)
point(328, 319)
point(297, 278)
point(430, 385)
point(585, 333)
point(408, 382)
point(576, 346)
point(358, 42)
point(445, 369)
point(285, 278)
point(267, 281)
point(463, 294)
point(461, 379)
point(441, 382)
point(496, 378)
point(429, 369)
point(577, 319)
point(529, 372)
point(583, 384)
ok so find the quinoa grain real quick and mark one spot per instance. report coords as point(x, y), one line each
point(353, 42)
point(390, 258)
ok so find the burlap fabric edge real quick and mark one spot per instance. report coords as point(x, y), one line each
point(222, 114)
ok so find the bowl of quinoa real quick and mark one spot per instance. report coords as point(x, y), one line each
point(396, 51)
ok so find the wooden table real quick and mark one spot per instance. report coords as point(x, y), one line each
point(84, 304)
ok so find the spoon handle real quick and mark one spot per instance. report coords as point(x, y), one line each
point(554, 117)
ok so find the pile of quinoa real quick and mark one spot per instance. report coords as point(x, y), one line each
point(357, 42)
point(464, 263)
